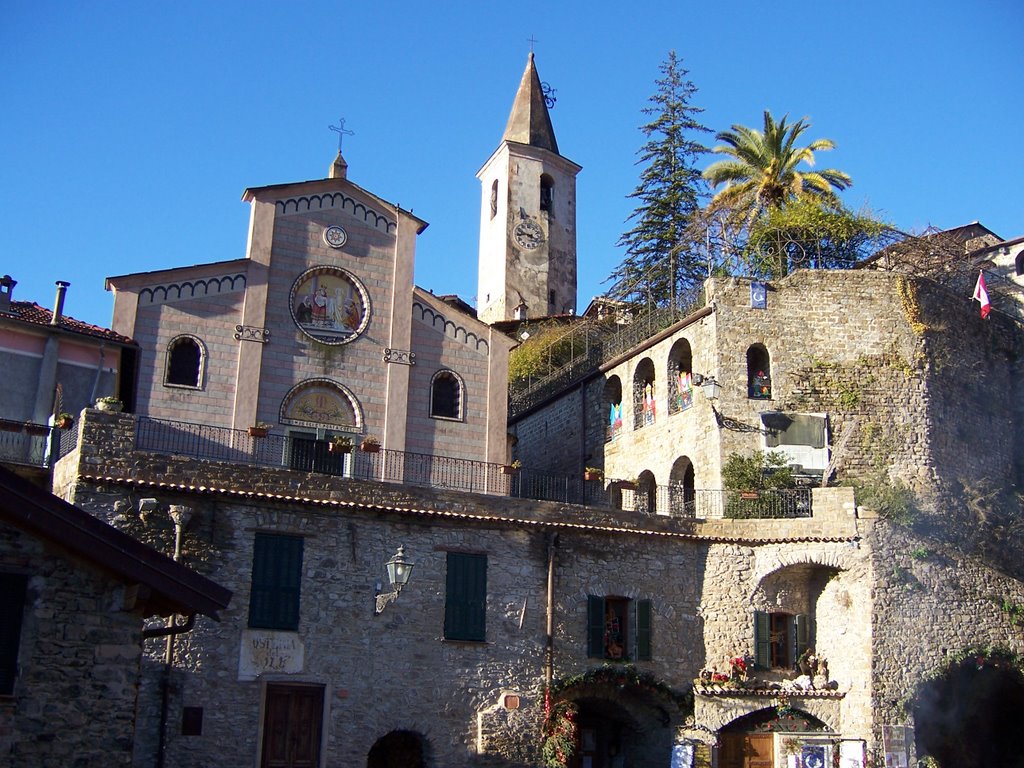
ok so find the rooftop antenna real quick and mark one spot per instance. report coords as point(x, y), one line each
point(342, 131)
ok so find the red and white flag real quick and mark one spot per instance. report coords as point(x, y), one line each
point(981, 295)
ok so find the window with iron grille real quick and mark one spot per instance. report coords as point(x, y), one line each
point(618, 628)
point(446, 396)
point(276, 582)
point(465, 603)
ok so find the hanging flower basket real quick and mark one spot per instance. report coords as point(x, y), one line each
point(340, 445)
point(510, 469)
point(370, 445)
point(749, 495)
point(590, 473)
point(258, 431)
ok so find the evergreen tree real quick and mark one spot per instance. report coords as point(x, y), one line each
point(663, 256)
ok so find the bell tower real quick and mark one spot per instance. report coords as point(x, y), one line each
point(527, 265)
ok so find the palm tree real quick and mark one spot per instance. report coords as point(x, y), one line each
point(762, 174)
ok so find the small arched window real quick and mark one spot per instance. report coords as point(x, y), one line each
point(547, 192)
point(185, 355)
point(613, 407)
point(759, 373)
point(680, 377)
point(643, 394)
point(446, 396)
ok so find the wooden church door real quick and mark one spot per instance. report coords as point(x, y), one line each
point(291, 726)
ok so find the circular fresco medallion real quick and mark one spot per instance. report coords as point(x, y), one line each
point(335, 236)
point(329, 305)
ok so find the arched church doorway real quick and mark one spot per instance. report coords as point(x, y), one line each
point(970, 716)
point(398, 749)
point(769, 737)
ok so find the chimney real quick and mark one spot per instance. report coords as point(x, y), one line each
point(58, 302)
point(7, 284)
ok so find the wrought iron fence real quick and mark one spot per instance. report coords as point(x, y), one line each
point(389, 466)
point(27, 444)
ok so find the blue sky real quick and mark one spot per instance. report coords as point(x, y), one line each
point(129, 130)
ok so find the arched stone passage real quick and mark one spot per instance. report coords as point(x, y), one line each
point(970, 716)
point(398, 749)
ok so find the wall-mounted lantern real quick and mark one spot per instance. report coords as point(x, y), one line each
point(399, 568)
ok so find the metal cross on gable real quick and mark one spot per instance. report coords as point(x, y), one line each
point(531, 40)
point(341, 130)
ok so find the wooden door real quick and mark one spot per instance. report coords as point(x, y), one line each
point(747, 750)
point(291, 726)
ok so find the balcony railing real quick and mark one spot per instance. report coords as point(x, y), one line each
point(27, 444)
point(306, 455)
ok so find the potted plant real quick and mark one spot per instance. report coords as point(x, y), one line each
point(593, 473)
point(64, 420)
point(511, 469)
point(109, 403)
point(340, 444)
point(370, 445)
point(259, 429)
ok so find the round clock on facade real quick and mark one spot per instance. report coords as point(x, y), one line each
point(528, 234)
point(335, 236)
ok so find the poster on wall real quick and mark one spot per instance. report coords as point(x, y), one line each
point(329, 305)
point(894, 745)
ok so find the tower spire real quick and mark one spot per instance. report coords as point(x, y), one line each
point(529, 121)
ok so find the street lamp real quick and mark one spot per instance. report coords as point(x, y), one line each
point(711, 388)
point(399, 569)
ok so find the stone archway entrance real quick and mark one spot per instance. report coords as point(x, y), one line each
point(623, 718)
point(398, 749)
point(970, 717)
point(767, 738)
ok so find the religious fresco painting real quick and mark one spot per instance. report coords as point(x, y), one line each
point(320, 404)
point(329, 305)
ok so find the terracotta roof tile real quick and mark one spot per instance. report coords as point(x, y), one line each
point(33, 314)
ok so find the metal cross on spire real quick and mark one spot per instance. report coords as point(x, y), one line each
point(342, 131)
point(531, 40)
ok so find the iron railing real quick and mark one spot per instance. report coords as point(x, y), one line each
point(27, 444)
point(307, 455)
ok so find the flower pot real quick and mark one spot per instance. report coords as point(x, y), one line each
point(593, 476)
point(368, 447)
point(103, 405)
point(336, 448)
point(508, 469)
point(749, 495)
point(257, 431)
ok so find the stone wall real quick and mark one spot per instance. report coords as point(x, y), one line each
point(74, 697)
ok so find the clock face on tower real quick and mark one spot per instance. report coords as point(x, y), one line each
point(528, 234)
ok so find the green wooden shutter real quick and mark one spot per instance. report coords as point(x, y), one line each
point(465, 607)
point(802, 631)
point(595, 627)
point(12, 607)
point(642, 623)
point(276, 582)
point(762, 640)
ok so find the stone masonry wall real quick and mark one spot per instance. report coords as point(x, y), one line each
point(78, 661)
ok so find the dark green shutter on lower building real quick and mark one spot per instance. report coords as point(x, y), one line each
point(762, 640)
point(465, 605)
point(643, 629)
point(12, 606)
point(595, 627)
point(276, 582)
point(802, 630)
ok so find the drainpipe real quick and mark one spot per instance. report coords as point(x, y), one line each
point(549, 646)
point(180, 514)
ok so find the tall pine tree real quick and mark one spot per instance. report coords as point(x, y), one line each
point(664, 257)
